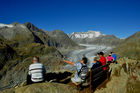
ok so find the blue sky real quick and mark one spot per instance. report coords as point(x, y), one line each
point(119, 17)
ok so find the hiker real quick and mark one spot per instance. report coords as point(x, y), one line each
point(81, 73)
point(94, 71)
point(110, 59)
point(36, 72)
point(114, 56)
point(96, 63)
point(102, 59)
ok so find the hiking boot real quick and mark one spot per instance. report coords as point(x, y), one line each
point(79, 88)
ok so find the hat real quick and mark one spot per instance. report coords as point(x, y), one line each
point(110, 54)
point(100, 53)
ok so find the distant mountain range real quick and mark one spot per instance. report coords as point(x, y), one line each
point(95, 37)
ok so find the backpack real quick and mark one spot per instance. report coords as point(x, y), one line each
point(83, 73)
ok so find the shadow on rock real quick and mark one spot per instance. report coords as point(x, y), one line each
point(60, 77)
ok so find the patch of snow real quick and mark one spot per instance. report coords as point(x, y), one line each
point(5, 25)
point(89, 34)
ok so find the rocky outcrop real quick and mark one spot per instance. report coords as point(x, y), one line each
point(125, 77)
point(43, 88)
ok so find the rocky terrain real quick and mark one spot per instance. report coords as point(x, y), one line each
point(19, 43)
point(125, 77)
point(130, 47)
point(96, 38)
point(6, 53)
point(44, 88)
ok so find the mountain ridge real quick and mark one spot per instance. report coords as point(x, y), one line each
point(130, 47)
point(95, 37)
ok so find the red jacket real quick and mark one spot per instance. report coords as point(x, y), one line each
point(103, 61)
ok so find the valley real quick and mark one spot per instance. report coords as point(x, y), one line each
point(90, 51)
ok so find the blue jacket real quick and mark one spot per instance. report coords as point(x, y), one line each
point(115, 57)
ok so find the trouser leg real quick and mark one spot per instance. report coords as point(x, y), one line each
point(29, 81)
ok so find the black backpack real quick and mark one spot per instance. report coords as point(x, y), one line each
point(83, 73)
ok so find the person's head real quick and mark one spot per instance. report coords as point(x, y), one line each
point(110, 55)
point(101, 54)
point(112, 52)
point(35, 59)
point(95, 59)
point(84, 60)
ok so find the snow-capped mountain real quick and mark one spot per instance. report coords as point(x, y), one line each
point(82, 35)
point(94, 37)
point(5, 25)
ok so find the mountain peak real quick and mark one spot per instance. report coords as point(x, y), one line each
point(31, 27)
point(89, 34)
point(15, 23)
point(28, 23)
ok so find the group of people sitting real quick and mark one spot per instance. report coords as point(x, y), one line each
point(37, 70)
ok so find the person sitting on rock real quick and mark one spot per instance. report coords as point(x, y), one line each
point(36, 72)
point(110, 59)
point(96, 63)
point(81, 73)
point(95, 69)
